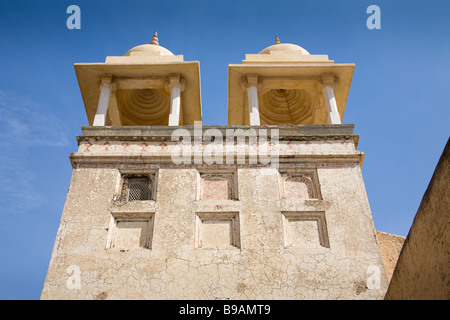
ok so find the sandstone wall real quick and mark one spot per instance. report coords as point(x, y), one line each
point(422, 270)
point(390, 246)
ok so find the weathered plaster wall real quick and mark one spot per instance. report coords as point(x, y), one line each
point(320, 247)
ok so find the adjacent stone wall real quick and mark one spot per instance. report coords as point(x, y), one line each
point(422, 270)
point(390, 246)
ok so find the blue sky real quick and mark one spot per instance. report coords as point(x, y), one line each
point(398, 100)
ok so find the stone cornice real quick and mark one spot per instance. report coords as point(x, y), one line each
point(164, 133)
point(116, 160)
point(153, 145)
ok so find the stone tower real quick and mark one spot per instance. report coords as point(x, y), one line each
point(272, 206)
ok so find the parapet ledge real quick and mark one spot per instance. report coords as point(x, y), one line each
point(164, 133)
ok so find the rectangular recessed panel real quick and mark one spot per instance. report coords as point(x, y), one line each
point(304, 233)
point(131, 234)
point(216, 189)
point(216, 233)
point(217, 230)
point(305, 230)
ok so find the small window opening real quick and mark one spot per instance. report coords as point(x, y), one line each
point(136, 188)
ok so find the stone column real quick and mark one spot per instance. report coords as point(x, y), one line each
point(330, 100)
point(252, 94)
point(175, 86)
point(106, 87)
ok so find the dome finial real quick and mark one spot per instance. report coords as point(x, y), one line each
point(155, 39)
point(277, 41)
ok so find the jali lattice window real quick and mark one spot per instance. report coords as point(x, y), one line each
point(136, 188)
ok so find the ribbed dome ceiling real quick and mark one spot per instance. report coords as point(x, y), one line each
point(283, 106)
point(144, 106)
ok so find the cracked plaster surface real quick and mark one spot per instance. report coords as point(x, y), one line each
point(173, 268)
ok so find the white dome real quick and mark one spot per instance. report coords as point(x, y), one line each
point(151, 49)
point(284, 47)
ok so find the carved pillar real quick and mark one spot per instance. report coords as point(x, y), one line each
point(252, 94)
point(330, 100)
point(106, 87)
point(175, 86)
